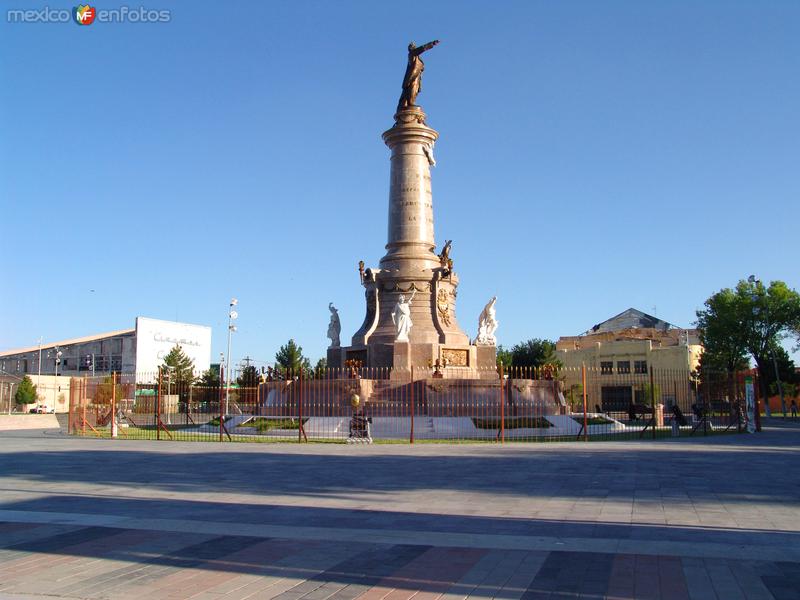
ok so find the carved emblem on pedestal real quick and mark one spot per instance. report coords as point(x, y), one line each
point(443, 306)
point(456, 358)
point(356, 359)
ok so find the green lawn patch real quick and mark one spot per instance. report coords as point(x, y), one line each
point(262, 424)
point(593, 420)
point(512, 423)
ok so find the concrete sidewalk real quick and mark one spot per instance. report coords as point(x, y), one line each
point(715, 518)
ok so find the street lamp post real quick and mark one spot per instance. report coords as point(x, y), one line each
point(232, 316)
point(221, 381)
point(755, 297)
point(10, 395)
point(90, 362)
point(168, 403)
point(55, 382)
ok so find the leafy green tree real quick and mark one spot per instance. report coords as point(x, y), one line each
point(650, 393)
point(535, 353)
point(790, 390)
point(715, 363)
point(290, 357)
point(750, 319)
point(248, 378)
point(26, 392)
point(786, 371)
point(182, 366)
point(210, 377)
point(575, 396)
point(207, 387)
point(102, 393)
point(321, 368)
point(723, 338)
point(503, 357)
point(716, 369)
point(177, 373)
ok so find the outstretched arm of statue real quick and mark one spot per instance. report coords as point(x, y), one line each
point(420, 49)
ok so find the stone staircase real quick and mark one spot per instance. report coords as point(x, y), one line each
point(393, 399)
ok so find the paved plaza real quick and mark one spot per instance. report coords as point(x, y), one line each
point(692, 518)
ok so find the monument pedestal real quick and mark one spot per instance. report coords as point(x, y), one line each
point(401, 356)
point(486, 356)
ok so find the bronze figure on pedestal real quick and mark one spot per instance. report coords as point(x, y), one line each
point(412, 82)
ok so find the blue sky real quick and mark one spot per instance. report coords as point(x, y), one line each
point(593, 157)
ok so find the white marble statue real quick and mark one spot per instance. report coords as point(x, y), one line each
point(427, 149)
point(487, 325)
point(401, 317)
point(334, 327)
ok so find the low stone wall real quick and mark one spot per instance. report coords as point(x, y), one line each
point(386, 397)
point(9, 422)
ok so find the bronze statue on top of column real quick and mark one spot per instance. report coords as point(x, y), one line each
point(412, 82)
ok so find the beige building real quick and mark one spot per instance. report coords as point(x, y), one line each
point(619, 355)
point(53, 394)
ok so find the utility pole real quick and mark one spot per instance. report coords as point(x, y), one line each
point(232, 316)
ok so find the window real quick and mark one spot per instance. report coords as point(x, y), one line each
point(615, 398)
point(623, 366)
point(100, 363)
point(607, 367)
point(116, 346)
point(116, 362)
point(640, 366)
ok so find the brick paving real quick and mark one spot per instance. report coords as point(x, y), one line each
point(686, 519)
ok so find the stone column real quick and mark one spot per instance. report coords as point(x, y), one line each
point(411, 267)
point(410, 240)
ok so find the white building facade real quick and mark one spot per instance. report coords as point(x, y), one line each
point(138, 350)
